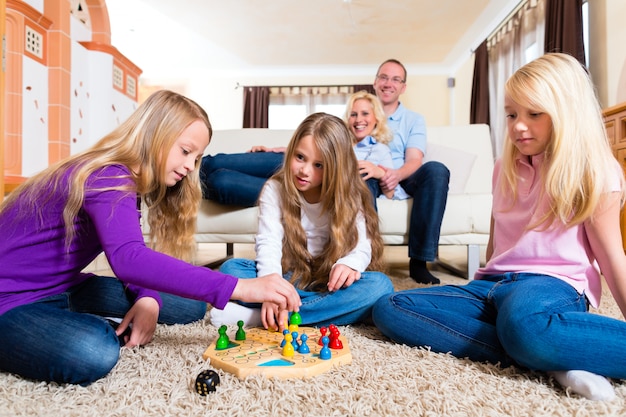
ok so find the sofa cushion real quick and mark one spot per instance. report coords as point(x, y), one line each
point(465, 150)
point(459, 163)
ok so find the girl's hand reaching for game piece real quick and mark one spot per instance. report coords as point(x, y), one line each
point(274, 318)
point(342, 276)
point(143, 316)
point(270, 288)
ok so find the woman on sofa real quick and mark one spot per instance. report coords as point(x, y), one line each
point(366, 120)
point(53, 317)
point(557, 192)
point(318, 229)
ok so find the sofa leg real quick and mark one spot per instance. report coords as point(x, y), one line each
point(230, 252)
point(473, 263)
point(473, 260)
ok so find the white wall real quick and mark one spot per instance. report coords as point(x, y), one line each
point(210, 74)
point(79, 98)
point(35, 4)
point(96, 107)
point(607, 55)
point(35, 120)
point(223, 100)
point(616, 68)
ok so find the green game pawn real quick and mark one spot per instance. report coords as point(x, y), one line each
point(222, 341)
point(295, 318)
point(241, 333)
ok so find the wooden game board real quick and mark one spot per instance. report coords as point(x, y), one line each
point(261, 354)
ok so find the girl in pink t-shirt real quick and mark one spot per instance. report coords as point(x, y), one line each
point(557, 193)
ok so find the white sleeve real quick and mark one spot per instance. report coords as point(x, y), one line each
point(269, 238)
point(359, 258)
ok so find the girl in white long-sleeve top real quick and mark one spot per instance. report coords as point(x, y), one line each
point(318, 229)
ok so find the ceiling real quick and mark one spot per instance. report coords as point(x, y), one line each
point(432, 35)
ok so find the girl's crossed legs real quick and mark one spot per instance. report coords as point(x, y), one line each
point(346, 306)
point(65, 338)
point(532, 320)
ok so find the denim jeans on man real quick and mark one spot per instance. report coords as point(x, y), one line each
point(65, 338)
point(535, 321)
point(346, 306)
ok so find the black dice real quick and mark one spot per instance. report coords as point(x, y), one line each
point(206, 381)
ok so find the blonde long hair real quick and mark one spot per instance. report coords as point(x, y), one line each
point(381, 131)
point(579, 164)
point(344, 197)
point(141, 143)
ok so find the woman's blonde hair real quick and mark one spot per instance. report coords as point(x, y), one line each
point(381, 131)
point(579, 164)
point(344, 197)
point(142, 144)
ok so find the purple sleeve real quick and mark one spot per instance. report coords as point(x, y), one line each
point(116, 219)
point(140, 292)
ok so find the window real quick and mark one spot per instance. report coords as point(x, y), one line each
point(286, 116)
point(290, 105)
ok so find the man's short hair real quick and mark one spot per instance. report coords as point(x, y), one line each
point(394, 61)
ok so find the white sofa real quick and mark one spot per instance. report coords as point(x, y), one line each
point(465, 150)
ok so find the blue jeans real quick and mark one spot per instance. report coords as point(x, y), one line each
point(531, 320)
point(237, 179)
point(374, 186)
point(429, 188)
point(346, 306)
point(65, 339)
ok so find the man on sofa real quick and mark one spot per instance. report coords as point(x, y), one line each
point(426, 183)
point(237, 179)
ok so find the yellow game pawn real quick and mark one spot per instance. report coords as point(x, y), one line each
point(288, 349)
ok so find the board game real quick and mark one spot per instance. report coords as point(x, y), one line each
point(261, 354)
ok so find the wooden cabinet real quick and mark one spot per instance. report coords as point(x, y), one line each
point(615, 122)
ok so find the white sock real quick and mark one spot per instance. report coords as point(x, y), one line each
point(234, 312)
point(115, 319)
point(589, 385)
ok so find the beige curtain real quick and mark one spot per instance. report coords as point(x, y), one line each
point(310, 96)
point(518, 41)
point(300, 101)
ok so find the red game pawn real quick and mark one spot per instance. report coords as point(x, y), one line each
point(323, 331)
point(335, 342)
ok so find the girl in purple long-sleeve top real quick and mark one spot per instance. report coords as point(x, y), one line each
point(52, 315)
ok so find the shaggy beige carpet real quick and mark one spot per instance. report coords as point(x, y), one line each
point(384, 379)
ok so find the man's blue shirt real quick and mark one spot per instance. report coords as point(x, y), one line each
point(409, 131)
